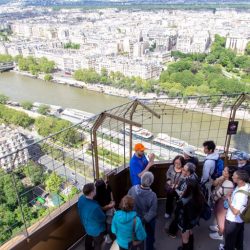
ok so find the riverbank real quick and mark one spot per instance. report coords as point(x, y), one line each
point(191, 104)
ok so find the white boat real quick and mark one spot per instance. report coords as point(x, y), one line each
point(74, 115)
point(164, 140)
point(140, 133)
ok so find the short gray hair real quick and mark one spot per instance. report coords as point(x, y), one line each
point(147, 179)
point(191, 167)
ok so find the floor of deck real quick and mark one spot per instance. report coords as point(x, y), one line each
point(163, 241)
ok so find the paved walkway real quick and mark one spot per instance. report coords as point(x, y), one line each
point(202, 240)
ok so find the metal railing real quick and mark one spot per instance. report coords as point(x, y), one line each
point(35, 189)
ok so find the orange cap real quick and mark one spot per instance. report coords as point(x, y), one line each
point(139, 147)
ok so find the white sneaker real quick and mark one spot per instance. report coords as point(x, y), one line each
point(221, 247)
point(216, 236)
point(166, 216)
point(214, 228)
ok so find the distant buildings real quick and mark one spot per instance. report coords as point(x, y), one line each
point(125, 41)
point(10, 141)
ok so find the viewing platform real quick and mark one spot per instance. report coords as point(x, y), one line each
point(96, 148)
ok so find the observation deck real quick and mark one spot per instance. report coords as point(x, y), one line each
point(42, 213)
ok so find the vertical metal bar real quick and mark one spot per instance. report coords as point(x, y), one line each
point(18, 198)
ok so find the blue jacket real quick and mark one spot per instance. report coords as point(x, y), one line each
point(122, 227)
point(91, 216)
point(136, 166)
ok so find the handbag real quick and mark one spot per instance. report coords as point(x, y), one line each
point(135, 242)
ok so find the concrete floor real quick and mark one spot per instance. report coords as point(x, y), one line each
point(164, 242)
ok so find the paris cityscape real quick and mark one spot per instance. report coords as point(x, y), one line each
point(70, 67)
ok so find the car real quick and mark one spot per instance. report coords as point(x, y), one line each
point(73, 173)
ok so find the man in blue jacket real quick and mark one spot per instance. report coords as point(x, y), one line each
point(92, 218)
point(139, 164)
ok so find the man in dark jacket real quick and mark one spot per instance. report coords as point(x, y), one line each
point(92, 218)
point(146, 206)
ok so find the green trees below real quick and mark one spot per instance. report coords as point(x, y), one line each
point(5, 58)
point(27, 105)
point(71, 45)
point(53, 183)
point(48, 77)
point(3, 99)
point(35, 65)
point(43, 109)
point(10, 116)
point(48, 125)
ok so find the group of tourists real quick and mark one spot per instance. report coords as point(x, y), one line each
point(225, 190)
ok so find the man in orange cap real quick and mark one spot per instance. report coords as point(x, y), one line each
point(139, 164)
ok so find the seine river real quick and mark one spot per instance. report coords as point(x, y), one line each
point(194, 127)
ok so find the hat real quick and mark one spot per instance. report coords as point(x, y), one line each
point(188, 150)
point(139, 147)
point(241, 156)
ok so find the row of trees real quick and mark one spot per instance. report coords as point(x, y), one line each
point(10, 116)
point(49, 125)
point(10, 213)
point(5, 58)
point(35, 65)
point(44, 125)
point(191, 74)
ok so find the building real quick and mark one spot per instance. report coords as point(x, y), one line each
point(237, 44)
point(10, 141)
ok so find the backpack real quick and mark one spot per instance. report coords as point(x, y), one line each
point(245, 215)
point(219, 166)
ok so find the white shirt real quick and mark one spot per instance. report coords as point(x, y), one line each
point(239, 202)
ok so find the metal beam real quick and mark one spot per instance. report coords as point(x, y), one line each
point(149, 109)
point(234, 109)
point(121, 119)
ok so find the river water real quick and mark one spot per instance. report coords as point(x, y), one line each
point(194, 127)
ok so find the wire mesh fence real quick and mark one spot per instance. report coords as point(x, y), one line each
point(45, 176)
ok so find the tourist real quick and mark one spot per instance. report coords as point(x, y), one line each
point(189, 155)
point(139, 164)
point(189, 209)
point(236, 202)
point(146, 206)
point(105, 199)
point(222, 187)
point(92, 218)
point(127, 226)
point(188, 173)
point(243, 158)
point(173, 178)
point(210, 161)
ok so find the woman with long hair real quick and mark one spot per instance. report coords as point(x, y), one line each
point(189, 209)
point(222, 187)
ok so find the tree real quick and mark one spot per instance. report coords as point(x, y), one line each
point(53, 183)
point(247, 50)
point(27, 105)
point(48, 77)
point(34, 172)
point(43, 109)
point(5, 58)
point(3, 99)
